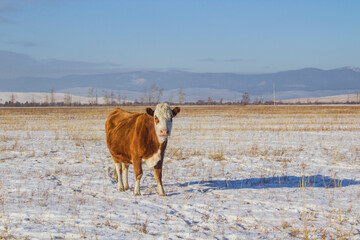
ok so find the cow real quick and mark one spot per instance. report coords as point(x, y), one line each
point(134, 138)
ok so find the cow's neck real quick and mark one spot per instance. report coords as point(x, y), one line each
point(155, 148)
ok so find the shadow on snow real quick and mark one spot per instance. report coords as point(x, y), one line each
point(317, 181)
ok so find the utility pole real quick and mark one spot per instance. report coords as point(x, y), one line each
point(274, 93)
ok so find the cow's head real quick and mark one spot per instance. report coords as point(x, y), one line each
point(163, 116)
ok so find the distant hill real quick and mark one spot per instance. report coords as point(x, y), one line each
point(346, 98)
point(303, 83)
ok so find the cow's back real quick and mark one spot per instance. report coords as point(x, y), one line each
point(117, 117)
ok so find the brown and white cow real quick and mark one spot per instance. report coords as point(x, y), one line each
point(133, 138)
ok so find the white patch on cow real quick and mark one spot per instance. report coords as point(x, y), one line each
point(153, 160)
point(137, 188)
point(125, 176)
point(118, 172)
point(164, 113)
point(160, 189)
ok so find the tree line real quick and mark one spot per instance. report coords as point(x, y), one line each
point(150, 96)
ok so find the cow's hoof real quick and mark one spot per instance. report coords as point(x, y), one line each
point(121, 189)
point(162, 195)
point(160, 190)
point(126, 188)
point(137, 194)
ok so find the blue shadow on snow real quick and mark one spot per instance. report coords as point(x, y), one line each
point(317, 181)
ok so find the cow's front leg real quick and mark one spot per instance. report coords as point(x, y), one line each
point(138, 174)
point(119, 173)
point(125, 168)
point(158, 176)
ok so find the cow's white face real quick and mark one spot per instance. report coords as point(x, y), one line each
point(163, 116)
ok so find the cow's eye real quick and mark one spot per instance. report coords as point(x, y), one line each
point(156, 120)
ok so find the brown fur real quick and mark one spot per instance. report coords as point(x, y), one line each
point(131, 137)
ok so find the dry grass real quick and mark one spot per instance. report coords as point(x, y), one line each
point(200, 132)
point(78, 121)
point(217, 154)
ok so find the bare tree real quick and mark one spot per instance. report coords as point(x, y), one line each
point(144, 96)
point(159, 95)
point(119, 97)
point(245, 99)
point(52, 97)
point(155, 94)
point(112, 98)
point(152, 94)
point(67, 99)
point(106, 97)
point(123, 97)
point(12, 98)
point(171, 97)
point(256, 101)
point(46, 102)
point(181, 96)
point(96, 98)
point(91, 95)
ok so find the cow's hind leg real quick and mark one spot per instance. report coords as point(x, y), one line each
point(119, 173)
point(138, 174)
point(125, 168)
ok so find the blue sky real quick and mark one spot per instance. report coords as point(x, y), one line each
point(192, 35)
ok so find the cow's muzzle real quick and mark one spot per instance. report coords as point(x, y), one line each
point(164, 133)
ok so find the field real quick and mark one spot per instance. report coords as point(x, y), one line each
point(244, 172)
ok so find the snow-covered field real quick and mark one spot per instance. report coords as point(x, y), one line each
point(230, 173)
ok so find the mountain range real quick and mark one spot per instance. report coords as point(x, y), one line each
point(308, 82)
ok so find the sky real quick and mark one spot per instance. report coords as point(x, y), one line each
point(237, 36)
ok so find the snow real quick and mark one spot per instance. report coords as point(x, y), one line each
point(344, 98)
point(352, 68)
point(228, 174)
point(38, 97)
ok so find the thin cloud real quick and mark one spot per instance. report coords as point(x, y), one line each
point(21, 43)
point(239, 60)
point(14, 65)
point(208, 60)
point(235, 60)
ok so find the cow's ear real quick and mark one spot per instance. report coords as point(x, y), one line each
point(150, 111)
point(175, 111)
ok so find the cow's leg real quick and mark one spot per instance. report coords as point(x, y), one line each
point(120, 182)
point(125, 168)
point(138, 174)
point(158, 176)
